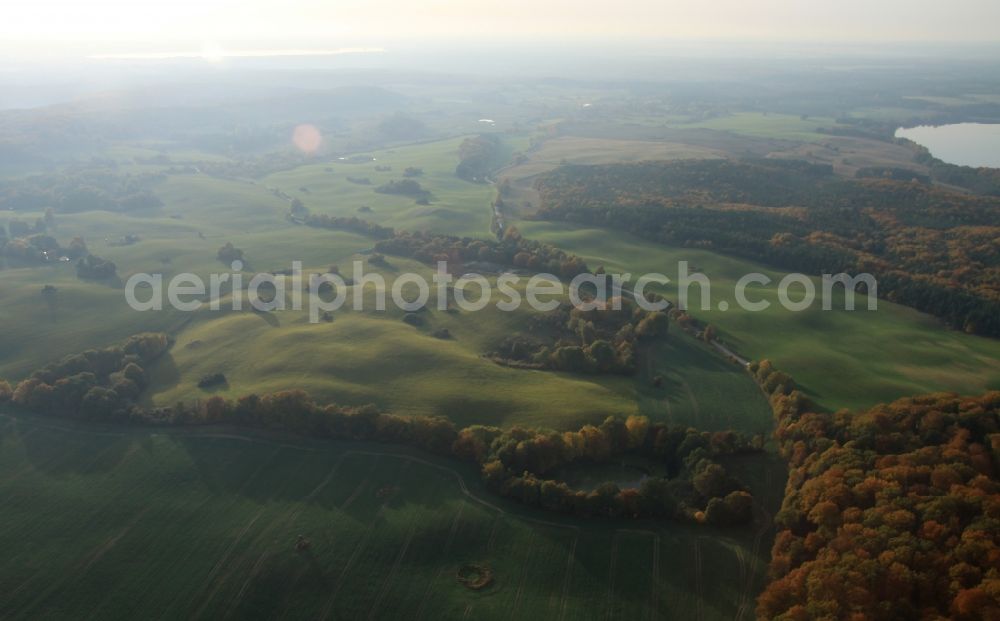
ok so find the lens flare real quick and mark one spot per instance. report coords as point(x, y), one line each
point(307, 138)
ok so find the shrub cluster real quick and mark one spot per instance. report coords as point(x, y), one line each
point(511, 250)
point(96, 384)
point(404, 187)
point(229, 253)
point(40, 248)
point(93, 267)
point(352, 224)
point(79, 190)
point(603, 340)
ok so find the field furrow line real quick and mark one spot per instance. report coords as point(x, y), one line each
point(612, 567)
point(568, 578)
point(181, 560)
point(234, 500)
point(491, 542)
point(254, 571)
point(223, 561)
point(698, 590)
point(355, 555)
point(453, 531)
point(101, 550)
point(747, 598)
point(280, 521)
point(523, 578)
point(360, 488)
point(654, 600)
point(397, 563)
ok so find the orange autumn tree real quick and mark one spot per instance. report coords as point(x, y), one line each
point(891, 513)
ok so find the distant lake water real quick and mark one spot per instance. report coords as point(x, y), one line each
point(965, 144)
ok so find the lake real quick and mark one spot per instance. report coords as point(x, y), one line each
point(965, 144)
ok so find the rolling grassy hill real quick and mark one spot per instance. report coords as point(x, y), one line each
point(457, 207)
point(374, 358)
point(358, 357)
point(842, 359)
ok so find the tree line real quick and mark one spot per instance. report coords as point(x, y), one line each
point(930, 248)
point(517, 463)
point(42, 249)
point(352, 224)
point(78, 190)
point(404, 187)
point(104, 385)
point(512, 250)
point(890, 513)
point(98, 384)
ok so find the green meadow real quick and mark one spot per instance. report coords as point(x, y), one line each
point(190, 519)
point(843, 359)
point(336, 360)
point(456, 207)
point(213, 535)
point(420, 374)
point(358, 357)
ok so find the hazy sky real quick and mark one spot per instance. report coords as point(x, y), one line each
point(336, 23)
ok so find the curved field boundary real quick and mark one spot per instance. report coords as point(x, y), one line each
point(560, 602)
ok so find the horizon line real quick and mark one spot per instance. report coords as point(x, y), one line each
point(221, 54)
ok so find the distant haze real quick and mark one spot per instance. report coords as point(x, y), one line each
point(189, 26)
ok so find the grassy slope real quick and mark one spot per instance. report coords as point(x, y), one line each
point(214, 499)
point(212, 535)
point(576, 150)
point(457, 207)
point(224, 512)
point(843, 359)
point(863, 357)
point(420, 374)
point(85, 314)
